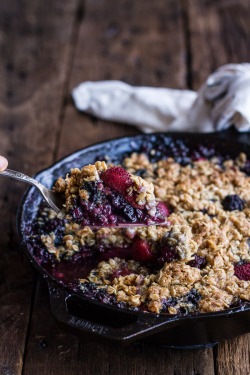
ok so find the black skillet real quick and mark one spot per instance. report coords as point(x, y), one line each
point(82, 315)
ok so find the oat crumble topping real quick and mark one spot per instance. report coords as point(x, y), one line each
point(195, 254)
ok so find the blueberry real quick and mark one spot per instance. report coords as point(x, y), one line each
point(141, 172)
point(197, 262)
point(232, 203)
point(193, 296)
point(58, 240)
point(166, 303)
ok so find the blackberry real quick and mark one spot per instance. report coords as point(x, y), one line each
point(232, 203)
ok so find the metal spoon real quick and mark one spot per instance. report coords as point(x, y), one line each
point(54, 199)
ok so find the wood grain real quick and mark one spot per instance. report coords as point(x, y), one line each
point(233, 357)
point(35, 49)
point(219, 33)
point(47, 48)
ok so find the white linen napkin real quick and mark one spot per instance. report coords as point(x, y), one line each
point(223, 100)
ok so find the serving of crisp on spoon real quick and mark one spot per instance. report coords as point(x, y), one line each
point(99, 196)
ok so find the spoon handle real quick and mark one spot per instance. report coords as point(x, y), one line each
point(21, 177)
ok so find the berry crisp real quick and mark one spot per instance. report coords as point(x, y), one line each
point(198, 261)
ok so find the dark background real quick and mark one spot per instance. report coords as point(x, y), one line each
point(47, 48)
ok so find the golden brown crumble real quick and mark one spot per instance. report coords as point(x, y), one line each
point(199, 226)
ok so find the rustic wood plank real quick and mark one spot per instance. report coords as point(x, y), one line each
point(219, 33)
point(141, 358)
point(35, 49)
point(233, 357)
point(50, 350)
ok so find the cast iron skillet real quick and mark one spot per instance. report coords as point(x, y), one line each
point(81, 315)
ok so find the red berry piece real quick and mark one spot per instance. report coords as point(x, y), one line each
point(163, 209)
point(242, 271)
point(141, 251)
point(117, 178)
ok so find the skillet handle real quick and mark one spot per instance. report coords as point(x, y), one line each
point(142, 325)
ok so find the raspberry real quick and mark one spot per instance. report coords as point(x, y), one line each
point(141, 251)
point(197, 262)
point(232, 203)
point(117, 178)
point(242, 271)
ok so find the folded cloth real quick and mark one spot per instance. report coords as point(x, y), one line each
point(223, 100)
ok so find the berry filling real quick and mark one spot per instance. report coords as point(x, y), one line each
point(149, 268)
point(168, 254)
point(141, 251)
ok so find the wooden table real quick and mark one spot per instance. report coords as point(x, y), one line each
point(47, 48)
